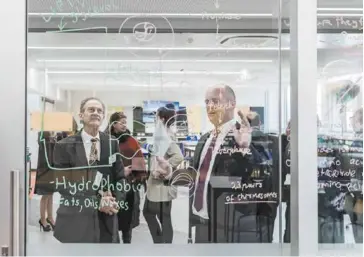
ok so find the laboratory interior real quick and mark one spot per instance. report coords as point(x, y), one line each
point(275, 87)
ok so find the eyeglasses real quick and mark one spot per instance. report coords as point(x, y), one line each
point(93, 109)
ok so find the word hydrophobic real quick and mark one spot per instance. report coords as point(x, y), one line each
point(84, 185)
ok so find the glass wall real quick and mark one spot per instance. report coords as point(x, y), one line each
point(176, 76)
point(166, 126)
point(340, 122)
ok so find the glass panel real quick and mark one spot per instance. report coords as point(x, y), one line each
point(195, 98)
point(340, 122)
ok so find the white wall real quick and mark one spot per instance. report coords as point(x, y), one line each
point(34, 104)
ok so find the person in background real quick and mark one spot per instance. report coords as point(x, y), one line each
point(286, 148)
point(158, 203)
point(43, 177)
point(255, 123)
point(46, 146)
point(355, 198)
point(135, 172)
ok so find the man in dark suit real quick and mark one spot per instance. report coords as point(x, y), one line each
point(223, 206)
point(89, 175)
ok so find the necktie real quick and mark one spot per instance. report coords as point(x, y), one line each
point(93, 153)
point(202, 175)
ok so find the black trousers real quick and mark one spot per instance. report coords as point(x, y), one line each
point(125, 219)
point(287, 230)
point(158, 217)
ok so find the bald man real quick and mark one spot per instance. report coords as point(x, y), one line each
point(223, 153)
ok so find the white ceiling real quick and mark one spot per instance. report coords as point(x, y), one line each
point(116, 61)
point(237, 16)
point(175, 6)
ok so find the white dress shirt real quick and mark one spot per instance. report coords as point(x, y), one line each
point(203, 213)
point(86, 139)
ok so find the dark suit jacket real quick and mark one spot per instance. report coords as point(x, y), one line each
point(239, 166)
point(78, 219)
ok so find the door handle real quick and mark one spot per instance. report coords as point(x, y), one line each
point(14, 249)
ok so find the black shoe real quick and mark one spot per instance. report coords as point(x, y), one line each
point(51, 224)
point(46, 228)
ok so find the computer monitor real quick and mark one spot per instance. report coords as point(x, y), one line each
point(150, 108)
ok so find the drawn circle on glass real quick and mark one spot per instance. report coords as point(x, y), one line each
point(145, 34)
point(144, 31)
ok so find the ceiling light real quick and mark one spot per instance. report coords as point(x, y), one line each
point(158, 15)
point(340, 9)
point(156, 61)
point(156, 48)
point(244, 74)
point(150, 72)
point(339, 15)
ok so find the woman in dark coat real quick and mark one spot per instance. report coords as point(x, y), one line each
point(43, 187)
point(135, 172)
point(43, 177)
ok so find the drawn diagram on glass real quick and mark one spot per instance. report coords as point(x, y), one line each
point(80, 10)
point(183, 177)
point(349, 87)
point(145, 32)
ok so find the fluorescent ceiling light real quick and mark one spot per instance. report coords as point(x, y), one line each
point(351, 77)
point(158, 15)
point(339, 15)
point(155, 48)
point(150, 72)
point(156, 61)
point(340, 9)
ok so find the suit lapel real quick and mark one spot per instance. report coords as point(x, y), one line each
point(198, 150)
point(227, 142)
point(80, 153)
point(104, 148)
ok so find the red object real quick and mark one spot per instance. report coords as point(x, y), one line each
point(131, 154)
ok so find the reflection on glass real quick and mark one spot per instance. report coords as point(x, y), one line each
point(340, 126)
point(189, 98)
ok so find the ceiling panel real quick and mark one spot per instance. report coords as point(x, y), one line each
point(154, 6)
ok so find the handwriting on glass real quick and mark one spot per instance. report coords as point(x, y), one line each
point(242, 186)
point(352, 186)
point(90, 202)
point(270, 197)
point(336, 22)
point(86, 185)
point(79, 11)
point(232, 150)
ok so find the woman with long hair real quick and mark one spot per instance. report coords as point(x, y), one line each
point(166, 157)
point(135, 172)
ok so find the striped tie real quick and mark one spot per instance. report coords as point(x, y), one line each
point(93, 153)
